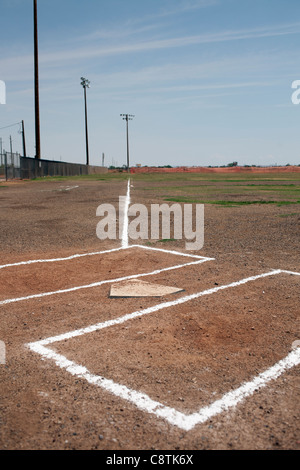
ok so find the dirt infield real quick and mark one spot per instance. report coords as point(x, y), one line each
point(215, 366)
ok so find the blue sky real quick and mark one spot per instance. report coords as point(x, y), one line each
point(209, 81)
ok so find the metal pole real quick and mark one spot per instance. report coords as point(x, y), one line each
point(86, 130)
point(127, 117)
point(5, 163)
point(12, 163)
point(23, 139)
point(36, 86)
point(86, 84)
point(127, 144)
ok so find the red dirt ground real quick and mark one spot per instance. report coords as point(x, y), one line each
point(235, 169)
point(185, 357)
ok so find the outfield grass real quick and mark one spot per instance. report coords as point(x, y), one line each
point(224, 189)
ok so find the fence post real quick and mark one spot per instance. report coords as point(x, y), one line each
point(5, 164)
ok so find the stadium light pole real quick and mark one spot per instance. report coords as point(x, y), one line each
point(36, 85)
point(86, 84)
point(127, 117)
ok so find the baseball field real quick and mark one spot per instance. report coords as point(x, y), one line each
point(214, 365)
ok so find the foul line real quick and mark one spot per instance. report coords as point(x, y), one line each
point(69, 188)
point(107, 281)
point(143, 401)
point(81, 255)
point(173, 416)
point(125, 220)
point(124, 244)
point(56, 260)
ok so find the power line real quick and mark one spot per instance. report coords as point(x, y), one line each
point(20, 131)
point(10, 125)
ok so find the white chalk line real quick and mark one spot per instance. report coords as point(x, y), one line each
point(99, 283)
point(153, 309)
point(200, 259)
point(143, 401)
point(95, 253)
point(124, 244)
point(172, 252)
point(56, 260)
point(290, 272)
point(173, 416)
point(124, 240)
point(62, 188)
point(69, 188)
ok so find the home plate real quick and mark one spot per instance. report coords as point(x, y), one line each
point(137, 288)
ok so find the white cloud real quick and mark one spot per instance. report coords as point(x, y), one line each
point(90, 51)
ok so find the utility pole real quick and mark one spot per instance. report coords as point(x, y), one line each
point(36, 84)
point(11, 158)
point(5, 164)
point(127, 117)
point(86, 84)
point(23, 140)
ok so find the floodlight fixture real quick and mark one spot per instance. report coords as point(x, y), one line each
point(127, 117)
point(85, 82)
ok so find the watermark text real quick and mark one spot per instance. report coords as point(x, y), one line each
point(2, 92)
point(296, 95)
point(162, 221)
point(2, 353)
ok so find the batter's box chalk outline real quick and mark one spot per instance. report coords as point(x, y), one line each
point(197, 260)
point(142, 401)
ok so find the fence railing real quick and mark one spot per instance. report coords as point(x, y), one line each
point(35, 168)
point(14, 166)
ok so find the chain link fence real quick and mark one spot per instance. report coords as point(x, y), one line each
point(37, 168)
point(13, 166)
point(10, 165)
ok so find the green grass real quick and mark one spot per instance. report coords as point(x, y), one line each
point(181, 178)
point(224, 190)
point(226, 203)
point(100, 177)
point(217, 178)
point(292, 214)
point(291, 191)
